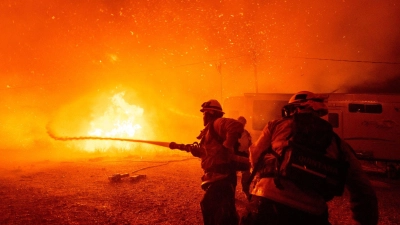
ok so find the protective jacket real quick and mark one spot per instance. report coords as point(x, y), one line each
point(217, 148)
point(363, 199)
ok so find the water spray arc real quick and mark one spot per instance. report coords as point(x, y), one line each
point(171, 145)
point(241, 163)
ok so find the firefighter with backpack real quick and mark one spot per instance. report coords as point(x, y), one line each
point(220, 164)
point(299, 163)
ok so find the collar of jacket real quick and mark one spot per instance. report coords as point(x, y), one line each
point(204, 131)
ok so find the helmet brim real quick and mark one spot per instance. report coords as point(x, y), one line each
point(211, 109)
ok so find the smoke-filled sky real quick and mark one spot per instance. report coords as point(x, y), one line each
point(62, 61)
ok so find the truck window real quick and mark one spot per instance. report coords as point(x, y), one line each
point(365, 108)
point(356, 107)
point(333, 119)
point(373, 108)
point(265, 111)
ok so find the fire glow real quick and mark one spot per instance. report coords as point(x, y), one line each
point(59, 57)
point(120, 119)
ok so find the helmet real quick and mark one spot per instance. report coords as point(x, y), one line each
point(304, 96)
point(211, 105)
point(242, 120)
point(306, 100)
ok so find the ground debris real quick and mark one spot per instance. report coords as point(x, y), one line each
point(80, 193)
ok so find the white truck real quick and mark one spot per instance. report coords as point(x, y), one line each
point(370, 123)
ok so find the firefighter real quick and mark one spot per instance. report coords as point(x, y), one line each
point(218, 139)
point(285, 202)
point(244, 144)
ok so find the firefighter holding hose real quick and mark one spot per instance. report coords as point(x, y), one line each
point(218, 161)
point(217, 141)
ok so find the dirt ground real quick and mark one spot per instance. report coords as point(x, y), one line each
point(79, 192)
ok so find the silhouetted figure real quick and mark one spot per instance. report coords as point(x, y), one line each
point(244, 144)
point(299, 164)
point(216, 151)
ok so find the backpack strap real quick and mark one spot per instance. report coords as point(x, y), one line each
point(209, 128)
point(339, 146)
point(260, 162)
point(221, 140)
point(214, 134)
point(278, 163)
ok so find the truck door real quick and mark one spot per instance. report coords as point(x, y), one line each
point(335, 117)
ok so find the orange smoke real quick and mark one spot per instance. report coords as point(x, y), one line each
point(62, 61)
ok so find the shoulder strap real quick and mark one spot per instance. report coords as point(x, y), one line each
point(259, 164)
point(339, 146)
point(214, 134)
point(221, 140)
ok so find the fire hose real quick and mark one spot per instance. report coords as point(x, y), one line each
point(118, 177)
point(240, 162)
point(171, 145)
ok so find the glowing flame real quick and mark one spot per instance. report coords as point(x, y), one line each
point(120, 119)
